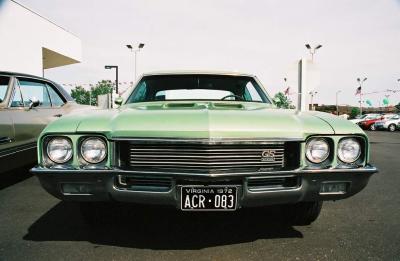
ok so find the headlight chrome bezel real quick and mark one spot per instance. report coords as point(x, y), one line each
point(308, 152)
point(69, 154)
point(360, 151)
point(82, 154)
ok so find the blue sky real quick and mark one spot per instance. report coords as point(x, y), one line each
point(360, 38)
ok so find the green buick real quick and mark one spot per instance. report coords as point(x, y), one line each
point(203, 142)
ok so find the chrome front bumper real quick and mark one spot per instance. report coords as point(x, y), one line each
point(105, 185)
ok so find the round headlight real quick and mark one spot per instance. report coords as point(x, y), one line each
point(349, 150)
point(93, 150)
point(317, 150)
point(59, 150)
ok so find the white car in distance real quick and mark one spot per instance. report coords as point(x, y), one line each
point(389, 124)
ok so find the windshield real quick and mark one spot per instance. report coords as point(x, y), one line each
point(197, 87)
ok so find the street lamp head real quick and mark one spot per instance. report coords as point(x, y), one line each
point(129, 46)
point(318, 46)
point(286, 79)
point(308, 46)
point(141, 45)
point(110, 66)
point(358, 80)
point(365, 79)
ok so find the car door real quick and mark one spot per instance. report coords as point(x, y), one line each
point(6, 123)
point(29, 122)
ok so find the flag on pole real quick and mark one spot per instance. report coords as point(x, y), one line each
point(358, 91)
point(287, 91)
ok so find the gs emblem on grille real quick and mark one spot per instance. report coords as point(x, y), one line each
point(268, 155)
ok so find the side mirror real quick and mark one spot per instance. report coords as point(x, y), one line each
point(118, 101)
point(34, 102)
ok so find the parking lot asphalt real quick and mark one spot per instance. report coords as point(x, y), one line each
point(36, 226)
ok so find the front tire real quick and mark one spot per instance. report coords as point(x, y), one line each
point(303, 213)
point(372, 127)
point(392, 127)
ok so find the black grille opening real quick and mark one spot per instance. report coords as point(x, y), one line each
point(292, 155)
point(273, 183)
point(144, 183)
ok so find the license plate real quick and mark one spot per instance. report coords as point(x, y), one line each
point(208, 198)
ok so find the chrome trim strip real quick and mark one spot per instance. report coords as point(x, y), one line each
point(367, 169)
point(209, 141)
point(22, 148)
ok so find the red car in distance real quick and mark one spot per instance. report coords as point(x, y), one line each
point(369, 124)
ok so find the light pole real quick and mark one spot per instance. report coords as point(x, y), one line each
point(140, 46)
point(109, 67)
point(360, 82)
point(312, 93)
point(337, 103)
point(312, 50)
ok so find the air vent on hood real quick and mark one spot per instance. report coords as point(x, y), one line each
point(228, 106)
point(186, 105)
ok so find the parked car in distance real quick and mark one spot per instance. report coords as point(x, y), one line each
point(27, 104)
point(203, 142)
point(365, 117)
point(389, 124)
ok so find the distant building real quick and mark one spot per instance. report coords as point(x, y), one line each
point(31, 43)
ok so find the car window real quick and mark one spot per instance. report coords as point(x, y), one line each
point(251, 94)
point(55, 98)
point(3, 87)
point(37, 89)
point(17, 98)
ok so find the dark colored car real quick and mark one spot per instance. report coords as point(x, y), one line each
point(27, 104)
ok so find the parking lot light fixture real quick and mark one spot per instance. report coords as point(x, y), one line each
point(337, 103)
point(109, 67)
point(312, 94)
point(360, 82)
point(135, 51)
point(312, 50)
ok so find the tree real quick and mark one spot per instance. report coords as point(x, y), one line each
point(83, 96)
point(281, 101)
point(102, 87)
point(354, 112)
point(80, 95)
point(397, 107)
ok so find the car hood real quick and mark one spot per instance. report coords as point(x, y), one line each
point(203, 120)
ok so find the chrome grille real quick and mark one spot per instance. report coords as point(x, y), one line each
point(205, 156)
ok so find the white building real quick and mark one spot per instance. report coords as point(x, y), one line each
point(31, 43)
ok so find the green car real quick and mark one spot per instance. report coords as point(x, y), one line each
point(203, 142)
